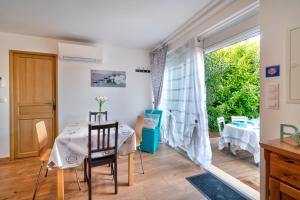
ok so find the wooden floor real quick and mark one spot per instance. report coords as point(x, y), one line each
point(164, 179)
point(241, 166)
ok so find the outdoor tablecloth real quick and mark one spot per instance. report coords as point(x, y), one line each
point(246, 138)
point(71, 145)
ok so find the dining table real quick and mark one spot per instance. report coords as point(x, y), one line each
point(70, 148)
point(244, 135)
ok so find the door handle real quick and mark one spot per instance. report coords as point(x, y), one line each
point(54, 104)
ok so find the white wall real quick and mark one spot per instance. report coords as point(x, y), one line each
point(125, 103)
point(276, 16)
point(77, 97)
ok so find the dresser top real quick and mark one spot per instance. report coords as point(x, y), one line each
point(286, 148)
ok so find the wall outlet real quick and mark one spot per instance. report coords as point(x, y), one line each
point(273, 96)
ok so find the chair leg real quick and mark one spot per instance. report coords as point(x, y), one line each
point(37, 181)
point(46, 172)
point(111, 169)
point(90, 182)
point(77, 178)
point(140, 152)
point(84, 171)
point(116, 177)
point(112, 172)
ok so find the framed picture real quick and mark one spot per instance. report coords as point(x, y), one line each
point(103, 78)
point(273, 71)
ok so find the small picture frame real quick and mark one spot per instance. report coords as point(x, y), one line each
point(105, 78)
point(273, 71)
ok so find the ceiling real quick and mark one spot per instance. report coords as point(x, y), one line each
point(131, 23)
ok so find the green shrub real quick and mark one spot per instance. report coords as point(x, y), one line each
point(232, 82)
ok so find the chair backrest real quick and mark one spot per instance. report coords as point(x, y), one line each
point(138, 129)
point(221, 124)
point(103, 138)
point(42, 136)
point(159, 112)
point(93, 115)
point(239, 119)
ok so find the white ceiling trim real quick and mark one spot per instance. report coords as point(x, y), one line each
point(211, 9)
point(248, 11)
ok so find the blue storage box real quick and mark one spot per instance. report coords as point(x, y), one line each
point(150, 137)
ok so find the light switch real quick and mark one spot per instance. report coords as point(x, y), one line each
point(273, 96)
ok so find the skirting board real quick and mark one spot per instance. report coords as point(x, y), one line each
point(5, 159)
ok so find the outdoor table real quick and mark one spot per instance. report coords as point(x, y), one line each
point(246, 138)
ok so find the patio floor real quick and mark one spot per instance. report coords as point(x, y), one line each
point(240, 166)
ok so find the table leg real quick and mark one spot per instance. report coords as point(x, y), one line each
point(130, 169)
point(257, 165)
point(229, 149)
point(60, 184)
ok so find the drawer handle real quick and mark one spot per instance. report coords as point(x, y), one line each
point(290, 161)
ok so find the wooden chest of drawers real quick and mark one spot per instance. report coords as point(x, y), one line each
point(282, 170)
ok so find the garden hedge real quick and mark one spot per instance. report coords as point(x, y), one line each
point(232, 82)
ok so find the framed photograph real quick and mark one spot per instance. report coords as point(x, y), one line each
point(103, 78)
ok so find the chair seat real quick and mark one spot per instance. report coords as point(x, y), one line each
point(44, 157)
point(96, 161)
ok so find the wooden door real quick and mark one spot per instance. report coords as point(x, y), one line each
point(281, 191)
point(33, 96)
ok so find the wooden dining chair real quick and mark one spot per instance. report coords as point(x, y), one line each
point(221, 124)
point(93, 118)
point(103, 139)
point(93, 115)
point(138, 131)
point(44, 153)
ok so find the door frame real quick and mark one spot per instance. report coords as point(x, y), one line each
point(11, 95)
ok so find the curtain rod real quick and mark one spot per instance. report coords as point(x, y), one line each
point(198, 38)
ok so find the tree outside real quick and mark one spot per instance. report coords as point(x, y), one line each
point(232, 82)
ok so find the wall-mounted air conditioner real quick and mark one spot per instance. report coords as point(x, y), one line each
point(79, 53)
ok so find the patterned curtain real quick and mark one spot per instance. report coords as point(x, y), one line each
point(157, 64)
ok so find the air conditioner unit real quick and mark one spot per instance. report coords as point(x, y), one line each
point(79, 53)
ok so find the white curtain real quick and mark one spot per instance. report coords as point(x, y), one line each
point(184, 103)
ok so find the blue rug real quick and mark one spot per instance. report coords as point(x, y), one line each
point(213, 188)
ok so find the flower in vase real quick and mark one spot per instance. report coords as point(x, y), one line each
point(101, 100)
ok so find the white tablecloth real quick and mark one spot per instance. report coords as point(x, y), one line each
point(245, 138)
point(71, 146)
